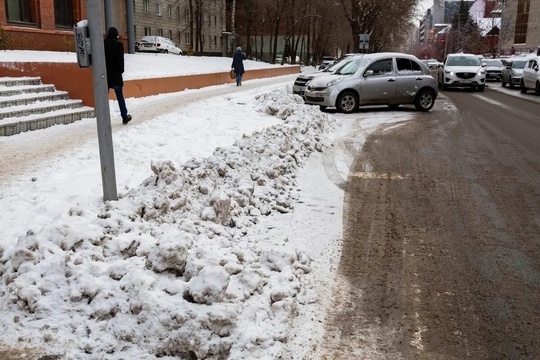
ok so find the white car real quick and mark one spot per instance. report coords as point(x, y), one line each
point(462, 70)
point(530, 79)
point(158, 44)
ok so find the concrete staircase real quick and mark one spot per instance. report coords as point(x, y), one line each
point(26, 104)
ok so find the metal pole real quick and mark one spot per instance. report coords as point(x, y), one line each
point(101, 98)
point(108, 14)
point(500, 30)
point(130, 26)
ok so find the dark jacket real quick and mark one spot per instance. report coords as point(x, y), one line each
point(114, 60)
point(238, 62)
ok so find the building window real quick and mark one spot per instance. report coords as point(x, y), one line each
point(215, 40)
point(146, 5)
point(186, 37)
point(178, 12)
point(179, 37)
point(169, 11)
point(522, 20)
point(160, 32)
point(19, 10)
point(158, 9)
point(170, 34)
point(147, 31)
point(186, 14)
point(215, 21)
point(63, 13)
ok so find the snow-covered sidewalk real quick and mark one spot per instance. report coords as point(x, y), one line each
point(224, 242)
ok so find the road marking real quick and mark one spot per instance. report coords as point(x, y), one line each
point(372, 175)
point(496, 103)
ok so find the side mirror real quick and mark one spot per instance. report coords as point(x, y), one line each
point(368, 73)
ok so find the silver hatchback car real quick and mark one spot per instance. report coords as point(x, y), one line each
point(390, 79)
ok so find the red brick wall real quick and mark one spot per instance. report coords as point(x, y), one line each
point(45, 36)
point(78, 82)
point(46, 11)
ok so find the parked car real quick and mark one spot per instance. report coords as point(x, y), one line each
point(390, 79)
point(432, 63)
point(157, 44)
point(300, 84)
point(513, 72)
point(494, 69)
point(462, 70)
point(326, 61)
point(531, 77)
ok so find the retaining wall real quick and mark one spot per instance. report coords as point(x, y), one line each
point(78, 81)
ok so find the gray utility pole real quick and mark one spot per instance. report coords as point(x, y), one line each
point(130, 24)
point(101, 97)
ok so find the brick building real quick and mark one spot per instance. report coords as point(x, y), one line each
point(48, 24)
point(39, 24)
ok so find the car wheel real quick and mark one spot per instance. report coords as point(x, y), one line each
point(522, 87)
point(347, 102)
point(481, 88)
point(393, 106)
point(425, 99)
point(537, 88)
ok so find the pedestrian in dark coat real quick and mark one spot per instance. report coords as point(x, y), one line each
point(238, 65)
point(114, 61)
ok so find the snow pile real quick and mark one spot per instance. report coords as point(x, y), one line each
point(170, 270)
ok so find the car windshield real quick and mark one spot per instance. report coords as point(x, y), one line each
point(463, 61)
point(352, 67)
point(519, 64)
point(493, 62)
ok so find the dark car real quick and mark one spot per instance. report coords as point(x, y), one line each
point(300, 84)
point(494, 69)
point(326, 62)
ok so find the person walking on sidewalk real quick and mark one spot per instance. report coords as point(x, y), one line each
point(114, 61)
point(238, 65)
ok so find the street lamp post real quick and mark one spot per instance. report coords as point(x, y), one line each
point(500, 29)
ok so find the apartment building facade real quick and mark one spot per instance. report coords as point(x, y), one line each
point(48, 24)
point(200, 30)
point(520, 27)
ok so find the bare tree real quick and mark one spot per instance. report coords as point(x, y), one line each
point(383, 19)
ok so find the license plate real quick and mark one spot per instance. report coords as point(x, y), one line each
point(465, 81)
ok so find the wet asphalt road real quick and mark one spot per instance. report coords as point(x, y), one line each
point(441, 254)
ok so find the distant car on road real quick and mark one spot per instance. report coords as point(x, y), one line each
point(300, 84)
point(390, 79)
point(494, 69)
point(326, 62)
point(157, 44)
point(462, 70)
point(513, 72)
